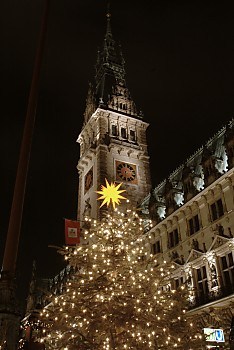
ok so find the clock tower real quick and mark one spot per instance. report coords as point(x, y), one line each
point(112, 141)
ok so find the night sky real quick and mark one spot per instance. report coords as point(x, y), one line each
point(180, 72)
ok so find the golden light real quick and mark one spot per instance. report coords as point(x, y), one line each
point(110, 194)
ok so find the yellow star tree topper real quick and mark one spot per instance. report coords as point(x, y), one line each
point(110, 194)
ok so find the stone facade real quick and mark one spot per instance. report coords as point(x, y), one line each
point(103, 149)
point(193, 225)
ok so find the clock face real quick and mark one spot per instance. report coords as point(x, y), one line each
point(126, 172)
point(88, 180)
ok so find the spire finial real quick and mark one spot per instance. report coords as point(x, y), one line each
point(108, 15)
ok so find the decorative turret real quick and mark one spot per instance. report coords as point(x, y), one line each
point(90, 104)
point(188, 175)
point(229, 144)
point(208, 162)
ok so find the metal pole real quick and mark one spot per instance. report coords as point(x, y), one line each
point(13, 234)
point(9, 312)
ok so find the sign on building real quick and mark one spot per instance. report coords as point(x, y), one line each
point(215, 335)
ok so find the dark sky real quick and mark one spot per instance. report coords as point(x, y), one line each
point(180, 71)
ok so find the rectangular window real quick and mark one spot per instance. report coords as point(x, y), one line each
point(132, 135)
point(173, 238)
point(123, 133)
point(202, 282)
point(213, 211)
point(216, 209)
point(220, 207)
point(194, 225)
point(227, 265)
point(114, 130)
point(178, 282)
point(155, 247)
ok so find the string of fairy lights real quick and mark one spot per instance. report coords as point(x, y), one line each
point(119, 297)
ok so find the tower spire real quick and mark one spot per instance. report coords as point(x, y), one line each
point(108, 16)
point(111, 88)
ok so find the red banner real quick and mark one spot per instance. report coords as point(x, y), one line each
point(72, 232)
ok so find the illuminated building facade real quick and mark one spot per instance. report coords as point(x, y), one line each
point(193, 225)
point(192, 210)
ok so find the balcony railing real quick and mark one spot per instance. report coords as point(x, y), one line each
point(202, 299)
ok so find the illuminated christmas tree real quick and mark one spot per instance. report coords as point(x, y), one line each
point(118, 298)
